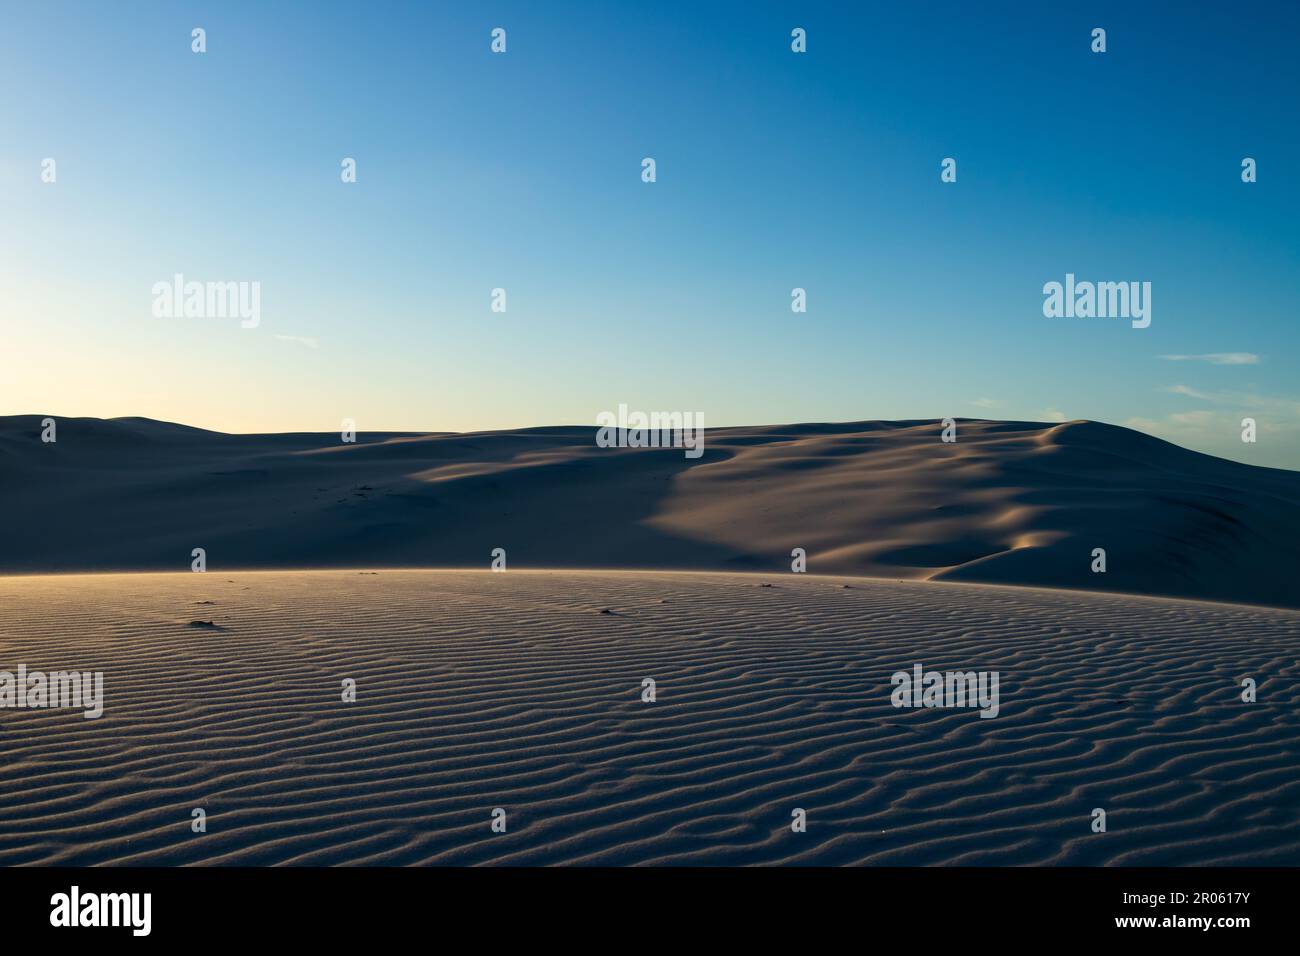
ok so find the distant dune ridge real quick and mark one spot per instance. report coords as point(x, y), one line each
point(1009, 502)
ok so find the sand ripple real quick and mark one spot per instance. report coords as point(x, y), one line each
point(480, 690)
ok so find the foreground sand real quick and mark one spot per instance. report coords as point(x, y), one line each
point(480, 690)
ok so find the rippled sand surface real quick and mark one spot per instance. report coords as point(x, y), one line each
point(517, 690)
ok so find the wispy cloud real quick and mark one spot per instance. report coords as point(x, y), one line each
point(301, 340)
point(1216, 358)
point(1218, 432)
point(1193, 418)
point(1217, 428)
point(1190, 392)
point(986, 403)
point(1278, 405)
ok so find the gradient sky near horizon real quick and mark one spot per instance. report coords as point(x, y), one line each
point(775, 170)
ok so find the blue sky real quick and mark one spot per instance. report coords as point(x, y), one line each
point(775, 170)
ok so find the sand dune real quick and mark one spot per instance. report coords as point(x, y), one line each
point(480, 690)
point(1010, 502)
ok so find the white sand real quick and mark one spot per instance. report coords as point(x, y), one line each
point(1009, 503)
point(480, 690)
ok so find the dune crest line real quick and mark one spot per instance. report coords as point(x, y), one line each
point(1006, 502)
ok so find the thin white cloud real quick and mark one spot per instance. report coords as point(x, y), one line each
point(1216, 358)
point(1243, 400)
point(1219, 433)
point(301, 340)
point(1193, 418)
point(986, 403)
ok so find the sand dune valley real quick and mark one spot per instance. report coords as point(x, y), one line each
point(525, 691)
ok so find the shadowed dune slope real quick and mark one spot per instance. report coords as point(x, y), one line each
point(1009, 502)
point(478, 690)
